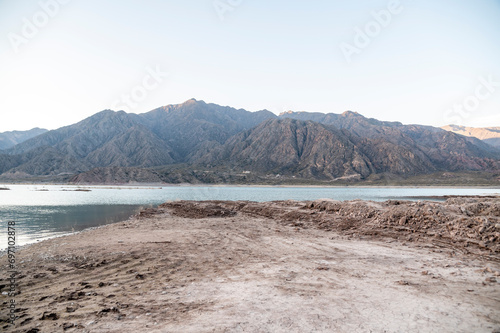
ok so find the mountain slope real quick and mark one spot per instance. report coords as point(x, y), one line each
point(223, 140)
point(489, 135)
point(193, 124)
point(292, 147)
point(163, 136)
point(434, 147)
point(70, 148)
point(83, 137)
point(12, 138)
point(137, 146)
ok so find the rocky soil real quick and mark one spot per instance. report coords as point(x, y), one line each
point(466, 224)
point(285, 266)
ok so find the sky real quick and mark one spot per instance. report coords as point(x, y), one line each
point(425, 62)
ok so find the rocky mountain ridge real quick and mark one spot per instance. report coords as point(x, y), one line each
point(202, 136)
point(489, 135)
point(11, 138)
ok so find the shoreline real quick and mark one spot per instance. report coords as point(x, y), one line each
point(441, 199)
point(3, 251)
point(330, 266)
point(161, 185)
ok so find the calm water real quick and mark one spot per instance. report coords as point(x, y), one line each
point(46, 211)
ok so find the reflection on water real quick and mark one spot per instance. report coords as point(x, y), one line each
point(40, 222)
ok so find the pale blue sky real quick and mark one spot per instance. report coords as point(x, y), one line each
point(275, 55)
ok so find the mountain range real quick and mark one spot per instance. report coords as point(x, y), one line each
point(201, 142)
point(12, 138)
point(490, 135)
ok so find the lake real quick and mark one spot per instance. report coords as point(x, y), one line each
point(44, 211)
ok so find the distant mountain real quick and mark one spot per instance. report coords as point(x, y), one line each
point(113, 175)
point(490, 135)
point(292, 147)
point(12, 138)
point(212, 143)
point(163, 136)
point(387, 142)
point(195, 125)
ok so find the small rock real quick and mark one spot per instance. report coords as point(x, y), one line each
point(53, 270)
point(26, 321)
point(67, 326)
point(49, 316)
point(487, 269)
point(402, 221)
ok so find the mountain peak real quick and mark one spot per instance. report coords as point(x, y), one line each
point(193, 101)
point(350, 113)
point(453, 127)
point(490, 135)
point(311, 145)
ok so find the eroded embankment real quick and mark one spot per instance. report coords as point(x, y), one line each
point(469, 224)
point(220, 266)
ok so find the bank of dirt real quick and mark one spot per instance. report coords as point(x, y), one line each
point(286, 266)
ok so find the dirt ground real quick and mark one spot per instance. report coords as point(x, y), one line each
point(321, 266)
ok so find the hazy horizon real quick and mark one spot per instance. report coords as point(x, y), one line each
point(414, 62)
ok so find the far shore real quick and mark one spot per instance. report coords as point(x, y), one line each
point(142, 185)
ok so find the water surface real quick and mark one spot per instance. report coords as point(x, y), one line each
point(42, 211)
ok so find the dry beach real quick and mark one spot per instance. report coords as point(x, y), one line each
point(282, 266)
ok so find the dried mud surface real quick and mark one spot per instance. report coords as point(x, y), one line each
point(283, 266)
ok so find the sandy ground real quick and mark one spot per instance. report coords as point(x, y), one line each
point(233, 267)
